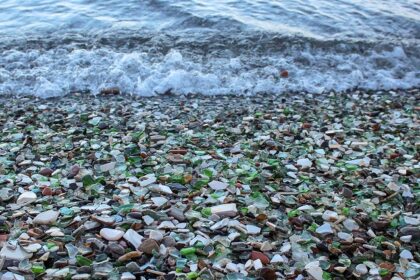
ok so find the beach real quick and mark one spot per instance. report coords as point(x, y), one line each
point(288, 186)
point(209, 140)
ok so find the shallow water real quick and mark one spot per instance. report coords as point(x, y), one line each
point(50, 48)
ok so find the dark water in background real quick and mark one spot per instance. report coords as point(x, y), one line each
point(52, 47)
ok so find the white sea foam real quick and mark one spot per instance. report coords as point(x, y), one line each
point(50, 48)
point(55, 72)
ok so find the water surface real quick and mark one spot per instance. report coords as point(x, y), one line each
point(50, 48)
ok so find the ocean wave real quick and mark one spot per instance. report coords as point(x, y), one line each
point(211, 66)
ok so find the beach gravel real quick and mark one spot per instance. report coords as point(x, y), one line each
point(293, 186)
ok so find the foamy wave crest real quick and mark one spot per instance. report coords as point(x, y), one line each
point(58, 71)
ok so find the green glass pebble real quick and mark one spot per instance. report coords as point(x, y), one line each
point(37, 269)
point(188, 251)
point(83, 261)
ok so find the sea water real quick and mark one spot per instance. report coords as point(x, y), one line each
point(151, 47)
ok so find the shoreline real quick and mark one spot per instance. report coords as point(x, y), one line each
point(110, 94)
point(178, 187)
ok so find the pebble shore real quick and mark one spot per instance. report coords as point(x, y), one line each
point(294, 186)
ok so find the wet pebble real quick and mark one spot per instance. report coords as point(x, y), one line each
point(148, 246)
point(46, 218)
point(111, 234)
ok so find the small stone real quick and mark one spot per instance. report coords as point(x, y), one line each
point(47, 191)
point(255, 255)
point(176, 158)
point(46, 218)
point(108, 167)
point(361, 269)
point(110, 91)
point(388, 266)
point(410, 230)
point(26, 198)
point(35, 232)
point(160, 189)
point(393, 187)
point(89, 225)
point(231, 267)
point(4, 237)
point(177, 187)
point(411, 221)
point(168, 241)
point(104, 219)
point(83, 276)
point(179, 151)
point(225, 210)
point(115, 248)
point(218, 185)
point(166, 225)
point(405, 254)
point(156, 235)
point(200, 239)
point(304, 163)
point(325, 229)
point(32, 248)
point(159, 201)
point(330, 216)
point(277, 259)
point(74, 170)
point(94, 120)
point(371, 233)
point(258, 264)
point(147, 180)
point(358, 144)
point(55, 232)
point(284, 73)
point(345, 236)
point(23, 180)
point(266, 246)
point(380, 225)
point(148, 220)
point(291, 167)
point(102, 125)
point(374, 270)
point(347, 193)
point(148, 246)
point(127, 276)
point(406, 238)
point(407, 191)
point(340, 269)
point(177, 213)
point(129, 256)
point(350, 225)
point(364, 162)
point(314, 270)
point(268, 274)
point(11, 276)
point(133, 238)
point(379, 193)
point(98, 243)
point(285, 248)
point(14, 253)
point(61, 273)
point(111, 234)
point(133, 267)
point(47, 172)
point(251, 229)
point(23, 236)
